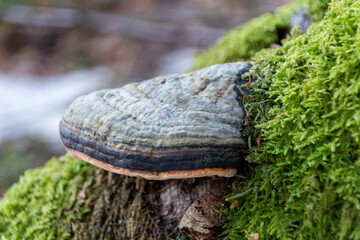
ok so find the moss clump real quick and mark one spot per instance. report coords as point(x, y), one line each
point(244, 41)
point(306, 184)
point(37, 207)
point(317, 8)
point(71, 199)
point(241, 43)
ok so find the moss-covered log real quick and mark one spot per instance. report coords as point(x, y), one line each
point(305, 154)
point(69, 198)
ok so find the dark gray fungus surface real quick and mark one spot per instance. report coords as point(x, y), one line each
point(173, 126)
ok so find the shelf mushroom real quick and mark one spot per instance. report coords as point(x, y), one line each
point(169, 127)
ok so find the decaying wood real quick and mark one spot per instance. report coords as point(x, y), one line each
point(200, 220)
point(111, 206)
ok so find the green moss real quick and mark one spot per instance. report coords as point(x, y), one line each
point(244, 41)
point(306, 183)
point(241, 43)
point(317, 8)
point(37, 207)
point(70, 199)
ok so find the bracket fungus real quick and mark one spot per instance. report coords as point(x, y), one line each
point(169, 127)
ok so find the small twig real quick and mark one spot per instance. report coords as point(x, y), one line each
point(258, 140)
point(239, 195)
point(268, 100)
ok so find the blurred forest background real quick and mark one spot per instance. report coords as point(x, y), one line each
point(54, 51)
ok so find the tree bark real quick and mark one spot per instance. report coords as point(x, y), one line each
point(112, 206)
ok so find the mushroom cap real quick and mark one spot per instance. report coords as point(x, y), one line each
point(169, 127)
